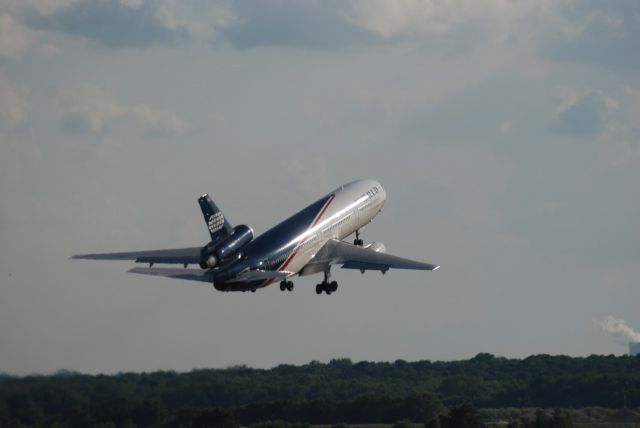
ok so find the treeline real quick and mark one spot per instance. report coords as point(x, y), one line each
point(340, 391)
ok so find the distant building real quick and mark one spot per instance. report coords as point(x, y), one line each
point(634, 348)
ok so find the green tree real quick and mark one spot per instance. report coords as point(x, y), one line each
point(561, 419)
point(404, 423)
point(464, 416)
point(215, 418)
point(433, 422)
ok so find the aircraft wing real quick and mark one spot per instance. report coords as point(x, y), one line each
point(355, 257)
point(184, 256)
point(187, 274)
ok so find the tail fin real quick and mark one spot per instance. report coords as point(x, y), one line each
point(219, 227)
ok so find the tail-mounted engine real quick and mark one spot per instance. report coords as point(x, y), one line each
point(213, 254)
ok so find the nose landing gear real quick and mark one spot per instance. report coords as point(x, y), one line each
point(359, 242)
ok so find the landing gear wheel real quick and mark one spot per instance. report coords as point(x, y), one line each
point(289, 285)
point(326, 286)
point(358, 242)
point(283, 285)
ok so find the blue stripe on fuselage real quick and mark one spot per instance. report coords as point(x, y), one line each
point(277, 243)
point(272, 247)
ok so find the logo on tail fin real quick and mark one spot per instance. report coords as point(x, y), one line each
point(215, 223)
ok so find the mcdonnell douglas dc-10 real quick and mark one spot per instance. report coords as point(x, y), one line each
point(308, 242)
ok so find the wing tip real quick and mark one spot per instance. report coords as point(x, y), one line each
point(437, 267)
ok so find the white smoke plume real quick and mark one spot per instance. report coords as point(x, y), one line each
point(623, 332)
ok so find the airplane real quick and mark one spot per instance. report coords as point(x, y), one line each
point(308, 242)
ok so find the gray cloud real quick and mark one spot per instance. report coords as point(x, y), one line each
point(15, 38)
point(313, 24)
point(604, 33)
point(87, 109)
point(585, 116)
point(609, 35)
point(337, 24)
point(113, 23)
point(14, 103)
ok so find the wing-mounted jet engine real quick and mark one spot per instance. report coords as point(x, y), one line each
point(378, 247)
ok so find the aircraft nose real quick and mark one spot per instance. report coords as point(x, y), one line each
point(382, 192)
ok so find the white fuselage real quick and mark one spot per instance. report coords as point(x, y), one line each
point(351, 206)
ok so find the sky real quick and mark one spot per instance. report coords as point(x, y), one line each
point(506, 134)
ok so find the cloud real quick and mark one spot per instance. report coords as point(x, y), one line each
point(591, 31)
point(24, 8)
point(116, 24)
point(608, 34)
point(394, 18)
point(15, 38)
point(88, 109)
point(306, 23)
point(336, 24)
point(13, 104)
point(586, 115)
point(16, 35)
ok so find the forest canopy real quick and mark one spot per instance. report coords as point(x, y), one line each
point(341, 390)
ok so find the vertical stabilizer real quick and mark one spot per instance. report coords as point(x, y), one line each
point(219, 227)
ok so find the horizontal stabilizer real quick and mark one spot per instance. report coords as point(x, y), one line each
point(180, 256)
point(260, 275)
point(187, 274)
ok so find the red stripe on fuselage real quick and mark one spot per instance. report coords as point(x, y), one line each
point(324, 208)
point(315, 221)
point(295, 251)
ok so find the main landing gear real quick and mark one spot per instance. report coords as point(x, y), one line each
point(326, 286)
point(359, 242)
point(286, 285)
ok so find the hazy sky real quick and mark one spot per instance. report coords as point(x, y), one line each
point(507, 135)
